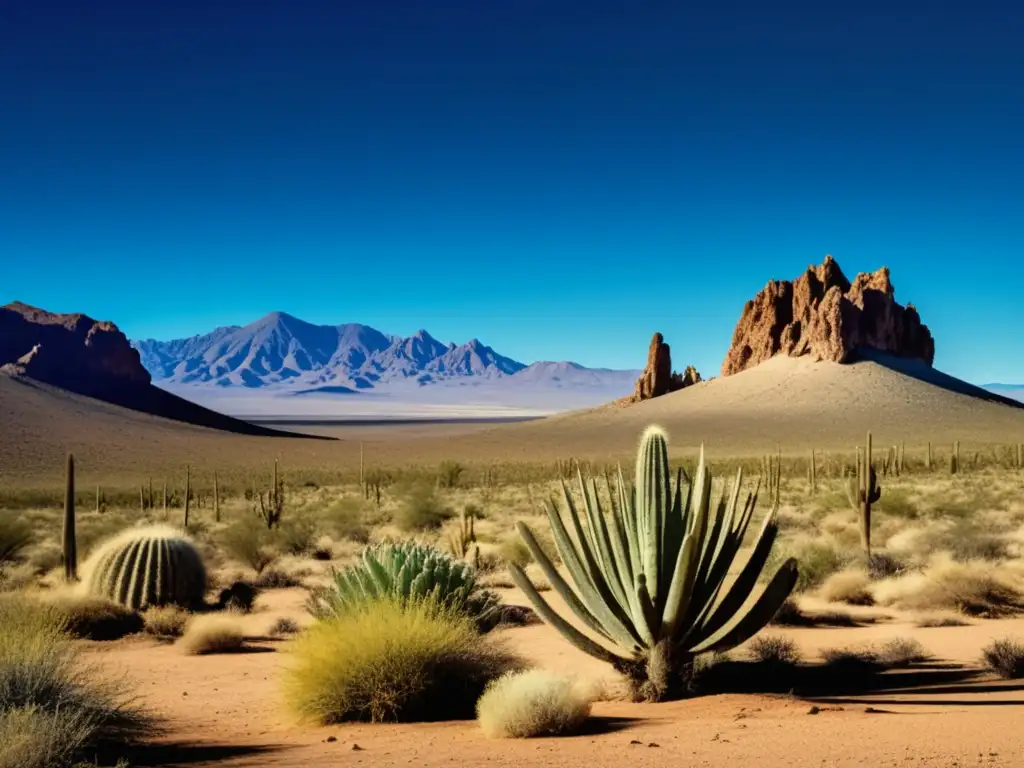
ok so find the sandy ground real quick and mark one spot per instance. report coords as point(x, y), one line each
point(787, 404)
point(226, 710)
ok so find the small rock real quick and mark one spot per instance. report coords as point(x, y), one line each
point(331, 739)
point(356, 748)
point(636, 741)
point(654, 744)
point(813, 710)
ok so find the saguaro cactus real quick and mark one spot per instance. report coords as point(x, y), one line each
point(69, 554)
point(188, 491)
point(863, 491)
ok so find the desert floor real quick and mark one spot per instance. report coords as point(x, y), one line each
point(225, 710)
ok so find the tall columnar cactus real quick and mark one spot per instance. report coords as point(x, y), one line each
point(954, 459)
point(216, 498)
point(69, 554)
point(188, 491)
point(863, 491)
point(812, 475)
point(153, 565)
point(650, 578)
point(463, 538)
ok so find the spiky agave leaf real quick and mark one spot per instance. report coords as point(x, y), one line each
point(655, 572)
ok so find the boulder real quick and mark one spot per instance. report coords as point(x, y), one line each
point(823, 315)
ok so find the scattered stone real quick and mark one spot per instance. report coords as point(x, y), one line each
point(813, 710)
point(331, 739)
point(823, 315)
point(356, 748)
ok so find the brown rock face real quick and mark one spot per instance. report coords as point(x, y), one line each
point(823, 315)
point(70, 351)
point(657, 378)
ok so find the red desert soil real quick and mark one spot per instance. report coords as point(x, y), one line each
point(227, 710)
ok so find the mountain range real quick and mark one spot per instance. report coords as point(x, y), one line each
point(281, 353)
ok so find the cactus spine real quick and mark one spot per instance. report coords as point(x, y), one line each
point(69, 554)
point(155, 565)
point(863, 491)
point(650, 579)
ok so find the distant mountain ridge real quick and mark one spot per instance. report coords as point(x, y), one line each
point(281, 352)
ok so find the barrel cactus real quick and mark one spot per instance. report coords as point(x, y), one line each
point(147, 566)
point(406, 571)
point(651, 577)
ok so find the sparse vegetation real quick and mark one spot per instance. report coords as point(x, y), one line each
point(1005, 657)
point(774, 649)
point(212, 633)
point(95, 618)
point(901, 652)
point(15, 537)
point(422, 510)
point(250, 543)
point(283, 627)
point(166, 621)
point(53, 709)
point(532, 703)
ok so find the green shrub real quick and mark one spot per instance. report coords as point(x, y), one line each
point(532, 703)
point(422, 510)
point(449, 474)
point(346, 520)
point(405, 572)
point(51, 707)
point(250, 542)
point(297, 536)
point(392, 662)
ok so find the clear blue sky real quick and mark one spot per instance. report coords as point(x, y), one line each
point(558, 179)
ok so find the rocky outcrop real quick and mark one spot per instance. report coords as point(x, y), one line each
point(823, 315)
point(70, 351)
point(657, 378)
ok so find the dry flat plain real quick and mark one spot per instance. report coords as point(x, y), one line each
point(954, 544)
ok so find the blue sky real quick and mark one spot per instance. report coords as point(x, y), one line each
point(558, 179)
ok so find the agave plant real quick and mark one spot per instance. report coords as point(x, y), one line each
point(650, 577)
point(407, 571)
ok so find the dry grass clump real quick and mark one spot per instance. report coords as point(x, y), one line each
point(297, 535)
point(901, 652)
point(385, 661)
point(15, 537)
point(52, 710)
point(1005, 657)
point(166, 621)
point(276, 578)
point(819, 558)
point(976, 588)
point(535, 702)
point(212, 633)
point(283, 627)
point(94, 618)
point(851, 661)
point(935, 620)
point(774, 649)
point(849, 586)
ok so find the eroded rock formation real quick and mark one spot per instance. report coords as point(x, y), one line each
point(658, 378)
point(823, 315)
point(70, 351)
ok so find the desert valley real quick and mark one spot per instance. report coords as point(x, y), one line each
point(202, 562)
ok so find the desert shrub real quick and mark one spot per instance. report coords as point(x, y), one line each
point(849, 586)
point(52, 709)
point(346, 520)
point(45, 557)
point(901, 652)
point(212, 633)
point(421, 510)
point(392, 661)
point(941, 620)
point(283, 626)
point(1005, 657)
point(323, 549)
point(976, 588)
point(513, 550)
point(166, 621)
point(789, 615)
point(774, 649)
point(449, 473)
point(405, 572)
point(94, 618)
point(276, 578)
point(15, 537)
point(240, 597)
point(851, 661)
point(883, 566)
point(817, 559)
point(535, 702)
point(297, 535)
point(250, 542)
